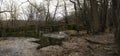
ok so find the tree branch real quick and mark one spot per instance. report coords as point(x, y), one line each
point(74, 4)
point(34, 6)
point(5, 11)
point(22, 3)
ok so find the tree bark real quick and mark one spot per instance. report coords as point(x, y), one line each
point(116, 16)
point(104, 16)
point(94, 14)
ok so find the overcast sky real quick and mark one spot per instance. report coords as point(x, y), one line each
point(24, 5)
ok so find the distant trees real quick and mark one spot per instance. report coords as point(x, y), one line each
point(36, 13)
point(95, 16)
point(2, 31)
point(13, 15)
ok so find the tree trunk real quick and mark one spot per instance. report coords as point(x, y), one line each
point(94, 14)
point(76, 10)
point(116, 15)
point(104, 16)
point(66, 14)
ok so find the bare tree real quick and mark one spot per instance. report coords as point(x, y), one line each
point(2, 30)
point(34, 6)
point(76, 9)
point(37, 13)
point(66, 13)
point(48, 11)
point(56, 10)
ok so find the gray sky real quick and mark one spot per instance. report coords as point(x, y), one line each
point(53, 3)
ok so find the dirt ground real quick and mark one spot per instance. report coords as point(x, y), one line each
point(97, 45)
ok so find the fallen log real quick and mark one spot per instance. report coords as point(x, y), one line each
point(96, 42)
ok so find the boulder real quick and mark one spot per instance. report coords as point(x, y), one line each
point(82, 33)
point(51, 39)
point(72, 32)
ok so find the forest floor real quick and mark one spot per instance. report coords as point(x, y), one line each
point(97, 45)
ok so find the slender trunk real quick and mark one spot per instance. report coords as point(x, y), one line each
point(76, 10)
point(55, 10)
point(48, 12)
point(66, 14)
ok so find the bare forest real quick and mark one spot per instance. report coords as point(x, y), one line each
point(59, 27)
